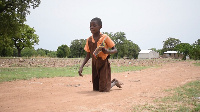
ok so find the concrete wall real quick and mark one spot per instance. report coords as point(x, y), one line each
point(150, 55)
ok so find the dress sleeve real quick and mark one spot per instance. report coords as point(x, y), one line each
point(109, 42)
point(86, 48)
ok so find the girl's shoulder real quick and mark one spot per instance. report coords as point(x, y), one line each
point(104, 35)
point(90, 39)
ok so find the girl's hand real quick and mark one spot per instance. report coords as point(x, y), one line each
point(80, 71)
point(105, 51)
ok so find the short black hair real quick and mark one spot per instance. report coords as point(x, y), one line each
point(99, 22)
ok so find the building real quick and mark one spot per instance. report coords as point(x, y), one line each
point(172, 54)
point(148, 54)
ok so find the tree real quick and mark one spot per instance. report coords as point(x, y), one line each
point(119, 39)
point(52, 54)
point(184, 48)
point(63, 51)
point(8, 26)
point(77, 48)
point(195, 52)
point(5, 49)
point(197, 42)
point(28, 52)
point(18, 8)
point(12, 17)
point(159, 51)
point(26, 37)
point(170, 44)
point(132, 49)
point(41, 52)
point(124, 47)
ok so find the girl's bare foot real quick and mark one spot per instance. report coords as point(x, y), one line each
point(113, 80)
point(118, 84)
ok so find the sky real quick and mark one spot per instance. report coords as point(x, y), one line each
point(146, 23)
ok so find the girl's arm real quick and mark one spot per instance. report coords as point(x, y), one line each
point(112, 51)
point(84, 62)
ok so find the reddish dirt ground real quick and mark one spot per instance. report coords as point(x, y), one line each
point(74, 94)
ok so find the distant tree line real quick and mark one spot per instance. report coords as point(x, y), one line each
point(126, 49)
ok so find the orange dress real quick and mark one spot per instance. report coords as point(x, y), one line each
point(101, 71)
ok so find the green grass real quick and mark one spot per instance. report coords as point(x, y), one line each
point(25, 73)
point(197, 64)
point(183, 99)
point(116, 69)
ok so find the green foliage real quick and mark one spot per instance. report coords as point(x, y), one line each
point(12, 17)
point(132, 49)
point(41, 52)
point(63, 51)
point(6, 51)
point(169, 44)
point(184, 48)
point(18, 8)
point(26, 37)
point(28, 52)
point(159, 51)
point(119, 39)
point(125, 48)
point(77, 48)
point(52, 54)
point(195, 52)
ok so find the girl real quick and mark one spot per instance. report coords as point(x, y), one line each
point(101, 71)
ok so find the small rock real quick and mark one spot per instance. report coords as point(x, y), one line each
point(77, 85)
point(21, 60)
point(198, 98)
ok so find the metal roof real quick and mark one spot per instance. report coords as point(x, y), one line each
point(171, 52)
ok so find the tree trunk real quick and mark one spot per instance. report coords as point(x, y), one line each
point(19, 52)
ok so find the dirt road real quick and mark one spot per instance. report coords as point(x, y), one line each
point(74, 94)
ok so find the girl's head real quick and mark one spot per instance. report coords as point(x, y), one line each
point(95, 25)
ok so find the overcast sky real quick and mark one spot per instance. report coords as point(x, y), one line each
point(146, 22)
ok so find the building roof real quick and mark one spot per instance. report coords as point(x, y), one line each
point(145, 51)
point(170, 52)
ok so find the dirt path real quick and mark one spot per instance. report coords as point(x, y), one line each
point(74, 94)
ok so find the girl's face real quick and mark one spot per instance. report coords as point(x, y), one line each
point(94, 27)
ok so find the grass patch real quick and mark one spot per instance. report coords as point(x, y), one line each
point(197, 64)
point(116, 69)
point(183, 99)
point(24, 73)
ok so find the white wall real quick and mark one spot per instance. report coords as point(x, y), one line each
point(150, 55)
